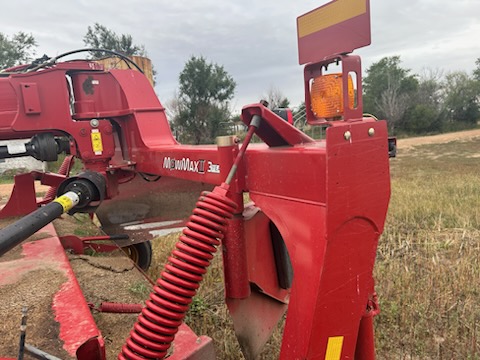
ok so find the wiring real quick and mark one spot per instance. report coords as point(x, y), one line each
point(371, 116)
point(149, 177)
point(49, 62)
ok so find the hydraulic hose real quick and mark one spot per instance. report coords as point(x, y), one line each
point(15, 233)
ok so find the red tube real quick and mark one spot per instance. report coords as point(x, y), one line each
point(110, 307)
point(237, 285)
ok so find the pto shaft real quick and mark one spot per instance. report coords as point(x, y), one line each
point(78, 195)
point(15, 233)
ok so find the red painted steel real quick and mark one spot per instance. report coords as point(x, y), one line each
point(326, 199)
point(340, 38)
point(23, 199)
point(188, 346)
point(331, 242)
point(119, 308)
point(350, 64)
point(78, 245)
point(297, 182)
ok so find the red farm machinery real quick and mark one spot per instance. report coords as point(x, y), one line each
point(304, 247)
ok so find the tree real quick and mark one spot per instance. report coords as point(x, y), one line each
point(16, 50)
point(393, 102)
point(476, 72)
point(203, 101)
point(276, 99)
point(462, 98)
point(100, 37)
point(387, 89)
point(421, 119)
point(427, 111)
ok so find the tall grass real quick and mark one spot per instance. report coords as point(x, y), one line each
point(427, 269)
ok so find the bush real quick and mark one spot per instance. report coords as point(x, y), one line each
point(422, 119)
point(10, 173)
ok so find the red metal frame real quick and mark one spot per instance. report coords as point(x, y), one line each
point(327, 198)
point(324, 202)
point(78, 245)
point(23, 199)
point(350, 64)
point(338, 27)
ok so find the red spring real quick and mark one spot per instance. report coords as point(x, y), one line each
point(165, 310)
point(63, 170)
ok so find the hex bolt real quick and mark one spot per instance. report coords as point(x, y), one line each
point(94, 123)
point(371, 132)
point(347, 135)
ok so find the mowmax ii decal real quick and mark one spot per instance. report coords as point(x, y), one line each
point(185, 164)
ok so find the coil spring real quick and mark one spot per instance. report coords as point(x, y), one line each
point(63, 170)
point(169, 301)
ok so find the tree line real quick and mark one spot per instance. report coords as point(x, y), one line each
point(425, 103)
point(430, 102)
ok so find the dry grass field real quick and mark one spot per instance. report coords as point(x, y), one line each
point(428, 262)
point(428, 267)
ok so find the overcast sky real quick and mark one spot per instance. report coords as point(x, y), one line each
point(255, 41)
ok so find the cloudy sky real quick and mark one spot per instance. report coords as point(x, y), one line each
point(254, 40)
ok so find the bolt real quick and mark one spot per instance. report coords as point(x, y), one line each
point(371, 132)
point(347, 135)
point(94, 123)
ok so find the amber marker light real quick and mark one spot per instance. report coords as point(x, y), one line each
point(327, 96)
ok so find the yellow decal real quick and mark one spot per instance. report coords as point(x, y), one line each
point(331, 14)
point(334, 348)
point(65, 201)
point(97, 144)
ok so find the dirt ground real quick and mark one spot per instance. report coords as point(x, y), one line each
point(436, 139)
point(35, 292)
point(111, 278)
